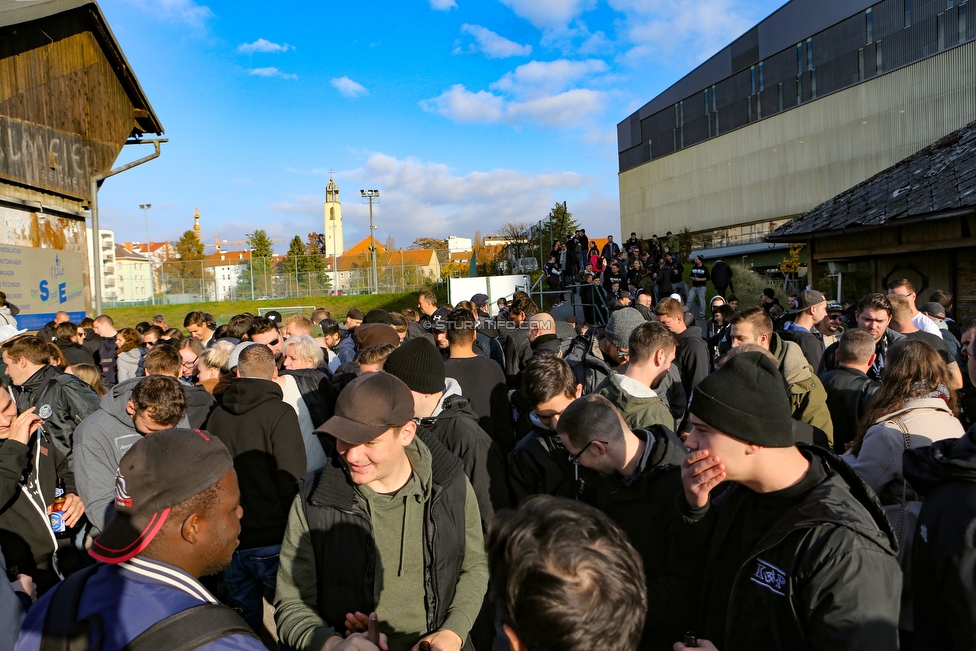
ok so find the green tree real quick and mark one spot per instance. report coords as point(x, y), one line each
point(259, 267)
point(303, 267)
point(186, 276)
point(563, 224)
point(428, 243)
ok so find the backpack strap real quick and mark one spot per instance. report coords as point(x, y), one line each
point(62, 631)
point(191, 629)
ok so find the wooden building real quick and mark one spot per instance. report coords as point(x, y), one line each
point(914, 220)
point(69, 102)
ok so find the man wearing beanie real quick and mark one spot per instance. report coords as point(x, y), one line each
point(797, 554)
point(388, 526)
point(177, 517)
point(445, 417)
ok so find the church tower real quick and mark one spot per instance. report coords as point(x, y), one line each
point(333, 220)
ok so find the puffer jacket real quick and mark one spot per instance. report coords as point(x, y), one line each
point(6, 317)
point(825, 577)
point(806, 392)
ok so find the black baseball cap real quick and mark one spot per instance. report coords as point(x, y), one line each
point(368, 406)
point(158, 472)
point(273, 315)
point(807, 299)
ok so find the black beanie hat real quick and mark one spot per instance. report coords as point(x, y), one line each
point(419, 364)
point(746, 399)
point(378, 316)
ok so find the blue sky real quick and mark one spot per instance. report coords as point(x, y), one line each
point(465, 114)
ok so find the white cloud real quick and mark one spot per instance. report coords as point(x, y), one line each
point(493, 45)
point(443, 5)
point(272, 72)
point(562, 110)
point(538, 78)
point(553, 15)
point(548, 93)
point(681, 33)
point(264, 45)
point(349, 88)
point(428, 199)
point(186, 11)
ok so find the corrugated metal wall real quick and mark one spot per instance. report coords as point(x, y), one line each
point(792, 162)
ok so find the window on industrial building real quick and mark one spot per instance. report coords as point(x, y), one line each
point(908, 13)
point(869, 25)
point(941, 30)
point(878, 59)
point(799, 58)
point(962, 21)
point(860, 64)
point(809, 54)
point(813, 84)
point(799, 89)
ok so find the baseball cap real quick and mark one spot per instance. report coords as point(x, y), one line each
point(273, 315)
point(835, 307)
point(480, 300)
point(807, 299)
point(9, 332)
point(934, 309)
point(368, 406)
point(235, 357)
point(438, 320)
point(378, 315)
point(158, 472)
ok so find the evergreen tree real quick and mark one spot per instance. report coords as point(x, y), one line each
point(186, 276)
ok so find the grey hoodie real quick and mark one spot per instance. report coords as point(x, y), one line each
point(99, 443)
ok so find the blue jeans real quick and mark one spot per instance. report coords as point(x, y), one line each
point(696, 295)
point(250, 572)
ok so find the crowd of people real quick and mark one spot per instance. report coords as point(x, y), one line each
point(783, 477)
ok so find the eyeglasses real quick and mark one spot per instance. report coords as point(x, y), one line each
point(191, 364)
point(574, 458)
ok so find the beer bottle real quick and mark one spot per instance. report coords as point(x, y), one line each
point(57, 508)
point(424, 645)
point(691, 640)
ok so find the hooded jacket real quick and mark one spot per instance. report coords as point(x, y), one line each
point(74, 353)
point(692, 361)
point(127, 364)
point(643, 506)
point(100, 441)
point(639, 412)
point(824, 577)
point(944, 552)
point(455, 425)
point(28, 476)
point(62, 400)
point(263, 436)
point(587, 361)
point(808, 398)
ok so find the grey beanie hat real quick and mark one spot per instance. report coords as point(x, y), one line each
point(622, 323)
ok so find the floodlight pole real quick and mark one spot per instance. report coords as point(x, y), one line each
point(152, 281)
point(250, 261)
point(369, 195)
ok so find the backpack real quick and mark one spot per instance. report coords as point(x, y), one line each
point(588, 369)
point(184, 631)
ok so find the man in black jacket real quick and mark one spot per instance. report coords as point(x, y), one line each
point(264, 437)
point(797, 554)
point(873, 315)
point(722, 277)
point(442, 412)
point(29, 470)
point(942, 552)
point(849, 389)
point(105, 356)
point(641, 480)
point(692, 355)
point(165, 360)
point(69, 340)
point(62, 400)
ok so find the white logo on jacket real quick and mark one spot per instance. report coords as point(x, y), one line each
point(769, 576)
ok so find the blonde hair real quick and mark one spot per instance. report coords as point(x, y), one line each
point(90, 375)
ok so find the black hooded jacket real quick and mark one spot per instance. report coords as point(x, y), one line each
point(456, 428)
point(944, 550)
point(643, 506)
point(824, 577)
point(263, 436)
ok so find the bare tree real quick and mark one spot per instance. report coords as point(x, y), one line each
point(517, 234)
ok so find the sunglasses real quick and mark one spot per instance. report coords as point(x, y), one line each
point(835, 317)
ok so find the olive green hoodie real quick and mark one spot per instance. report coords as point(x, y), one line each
point(398, 522)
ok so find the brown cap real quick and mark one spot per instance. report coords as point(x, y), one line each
point(368, 406)
point(158, 472)
point(374, 334)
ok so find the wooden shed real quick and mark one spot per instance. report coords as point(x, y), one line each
point(69, 102)
point(914, 220)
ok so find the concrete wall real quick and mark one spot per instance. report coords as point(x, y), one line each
point(790, 163)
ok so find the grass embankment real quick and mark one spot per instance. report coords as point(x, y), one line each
point(339, 305)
